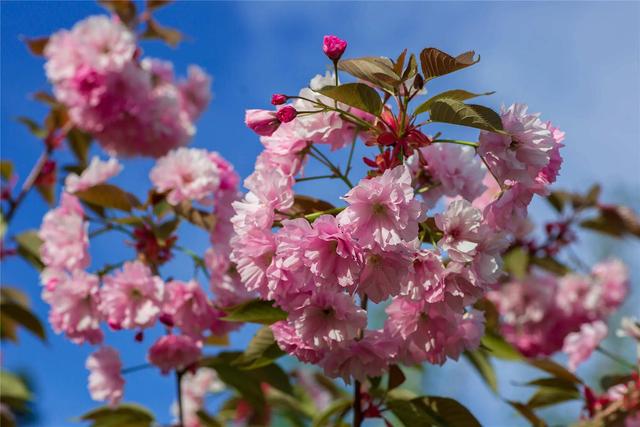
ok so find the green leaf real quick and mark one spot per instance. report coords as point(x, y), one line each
point(376, 70)
point(21, 315)
point(554, 382)
point(171, 36)
point(455, 94)
point(256, 311)
point(33, 127)
point(123, 415)
point(109, 196)
point(547, 396)
point(527, 413)
point(80, 142)
point(396, 377)
point(261, 351)
point(516, 262)
point(167, 228)
point(6, 169)
point(36, 45)
point(550, 264)
point(357, 95)
point(207, 420)
point(45, 98)
point(432, 410)
point(609, 381)
point(457, 113)
point(554, 369)
point(499, 348)
point(48, 193)
point(436, 63)
point(13, 388)
point(323, 418)
point(482, 363)
point(29, 247)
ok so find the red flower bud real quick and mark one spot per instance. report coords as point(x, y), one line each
point(139, 336)
point(333, 47)
point(262, 122)
point(286, 114)
point(278, 99)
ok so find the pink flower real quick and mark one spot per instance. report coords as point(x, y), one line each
point(462, 287)
point(253, 254)
point(278, 99)
point(74, 299)
point(579, 345)
point(132, 297)
point(262, 122)
point(383, 209)
point(368, 357)
point(289, 341)
point(105, 377)
point(328, 318)
point(460, 225)
point(286, 114)
point(174, 352)
point(550, 172)
point(426, 280)
point(384, 273)
point(189, 307)
point(522, 154)
point(96, 173)
point(333, 47)
point(331, 253)
point(186, 174)
point(629, 327)
point(195, 91)
point(509, 210)
point(65, 240)
point(612, 281)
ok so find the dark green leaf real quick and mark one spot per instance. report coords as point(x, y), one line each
point(436, 63)
point(396, 377)
point(455, 94)
point(553, 382)
point(171, 36)
point(528, 413)
point(261, 351)
point(376, 70)
point(123, 415)
point(109, 196)
point(432, 410)
point(499, 348)
point(555, 369)
point(80, 142)
point(29, 247)
point(256, 311)
point(36, 45)
point(546, 396)
point(21, 315)
point(357, 95)
point(557, 200)
point(550, 264)
point(457, 113)
point(481, 362)
point(336, 408)
point(167, 228)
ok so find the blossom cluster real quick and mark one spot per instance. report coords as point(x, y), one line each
point(323, 270)
point(134, 296)
point(132, 106)
point(542, 314)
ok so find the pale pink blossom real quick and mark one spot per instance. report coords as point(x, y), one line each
point(74, 299)
point(189, 307)
point(612, 280)
point(383, 209)
point(579, 345)
point(253, 254)
point(509, 210)
point(65, 241)
point(384, 272)
point(174, 352)
point(105, 377)
point(132, 297)
point(426, 280)
point(272, 188)
point(195, 91)
point(461, 228)
point(461, 285)
point(96, 173)
point(549, 173)
point(359, 359)
point(328, 318)
point(160, 70)
point(523, 152)
point(289, 341)
point(331, 253)
point(186, 174)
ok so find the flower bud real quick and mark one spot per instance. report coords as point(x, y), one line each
point(262, 122)
point(286, 114)
point(278, 99)
point(333, 47)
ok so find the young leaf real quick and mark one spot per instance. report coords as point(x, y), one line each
point(256, 311)
point(337, 407)
point(457, 113)
point(527, 413)
point(376, 70)
point(36, 45)
point(499, 348)
point(80, 142)
point(125, 9)
point(155, 4)
point(550, 264)
point(33, 127)
point(303, 205)
point(546, 396)
point(6, 169)
point(516, 262)
point(555, 369)
point(125, 414)
point(396, 377)
point(109, 196)
point(432, 410)
point(154, 30)
point(261, 351)
point(196, 216)
point(482, 363)
point(456, 94)
point(614, 220)
point(436, 63)
point(357, 95)
point(554, 382)
point(21, 315)
point(29, 247)
point(207, 420)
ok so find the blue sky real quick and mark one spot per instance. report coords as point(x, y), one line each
point(576, 62)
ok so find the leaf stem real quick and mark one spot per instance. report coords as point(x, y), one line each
point(27, 185)
point(136, 368)
point(180, 406)
point(615, 358)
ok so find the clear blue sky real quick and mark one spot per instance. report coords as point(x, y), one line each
point(577, 62)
